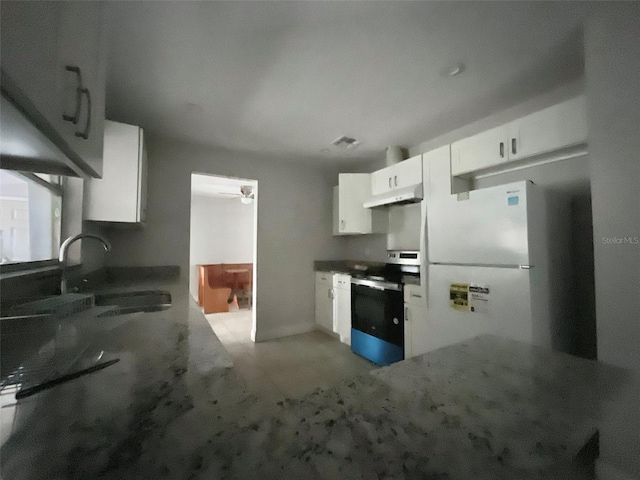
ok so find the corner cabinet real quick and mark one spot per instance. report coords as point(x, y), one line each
point(120, 196)
point(554, 128)
point(54, 70)
point(349, 215)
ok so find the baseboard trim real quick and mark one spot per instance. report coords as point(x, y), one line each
point(608, 471)
point(260, 335)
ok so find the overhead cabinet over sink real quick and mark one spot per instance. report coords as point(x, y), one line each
point(54, 72)
point(120, 196)
point(554, 128)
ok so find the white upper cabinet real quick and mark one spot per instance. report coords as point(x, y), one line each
point(437, 172)
point(552, 129)
point(349, 215)
point(408, 172)
point(120, 196)
point(402, 174)
point(54, 68)
point(484, 150)
point(82, 47)
point(381, 181)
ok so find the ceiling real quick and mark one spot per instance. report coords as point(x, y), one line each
point(288, 78)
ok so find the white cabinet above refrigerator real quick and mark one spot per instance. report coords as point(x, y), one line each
point(538, 134)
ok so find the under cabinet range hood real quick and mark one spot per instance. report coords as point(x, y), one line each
point(398, 196)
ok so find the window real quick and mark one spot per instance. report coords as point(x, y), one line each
point(30, 216)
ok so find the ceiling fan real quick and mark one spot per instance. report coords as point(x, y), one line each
point(246, 194)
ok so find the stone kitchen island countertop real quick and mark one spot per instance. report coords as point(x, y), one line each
point(174, 407)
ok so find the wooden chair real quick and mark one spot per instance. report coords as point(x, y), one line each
point(212, 293)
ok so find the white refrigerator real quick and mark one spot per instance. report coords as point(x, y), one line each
point(499, 263)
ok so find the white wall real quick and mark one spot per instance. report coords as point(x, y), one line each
point(612, 70)
point(89, 253)
point(221, 232)
point(404, 227)
point(294, 225)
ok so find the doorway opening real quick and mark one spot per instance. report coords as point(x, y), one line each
point(223, 252)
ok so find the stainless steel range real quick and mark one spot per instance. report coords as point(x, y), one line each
point(377, 307)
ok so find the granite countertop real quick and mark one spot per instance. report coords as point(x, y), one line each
point(344, 266)
point(174, 407)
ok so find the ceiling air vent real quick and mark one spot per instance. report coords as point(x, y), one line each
point(346, 142)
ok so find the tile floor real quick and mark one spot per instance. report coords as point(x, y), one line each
point(287, 367)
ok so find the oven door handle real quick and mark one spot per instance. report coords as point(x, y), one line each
point(376, 284)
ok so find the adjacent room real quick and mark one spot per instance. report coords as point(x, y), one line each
point(319, 240)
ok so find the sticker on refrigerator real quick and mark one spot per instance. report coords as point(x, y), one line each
point(479, 299)
point(513, 200)
point(459, 296)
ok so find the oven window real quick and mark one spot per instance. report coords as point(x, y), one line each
point(373, 312)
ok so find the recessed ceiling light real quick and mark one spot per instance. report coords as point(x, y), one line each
point(453, 70)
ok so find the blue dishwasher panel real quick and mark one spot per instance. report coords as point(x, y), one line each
point(374, 349)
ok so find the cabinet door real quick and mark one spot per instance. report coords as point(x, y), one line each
point(415, 316)
point(122, 174)
point(553, 128)
point(324, 306)
point(353, 190)
point(407, 173)
point(81, 45)
point(484, 150)
point(342, 307)
point(29, 53)
point(381, 181)
point(336, 210)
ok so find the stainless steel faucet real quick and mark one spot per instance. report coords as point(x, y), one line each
point(64, 248)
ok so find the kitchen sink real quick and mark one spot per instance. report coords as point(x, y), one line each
point(140, 301)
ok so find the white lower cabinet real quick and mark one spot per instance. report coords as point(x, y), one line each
point(333, 304)
point(342, 306)
point(415, 321)
point(324, 300)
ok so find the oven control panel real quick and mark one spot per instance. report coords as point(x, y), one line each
point(403, 257)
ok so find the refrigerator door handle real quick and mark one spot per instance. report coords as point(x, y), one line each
point(526, 267)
